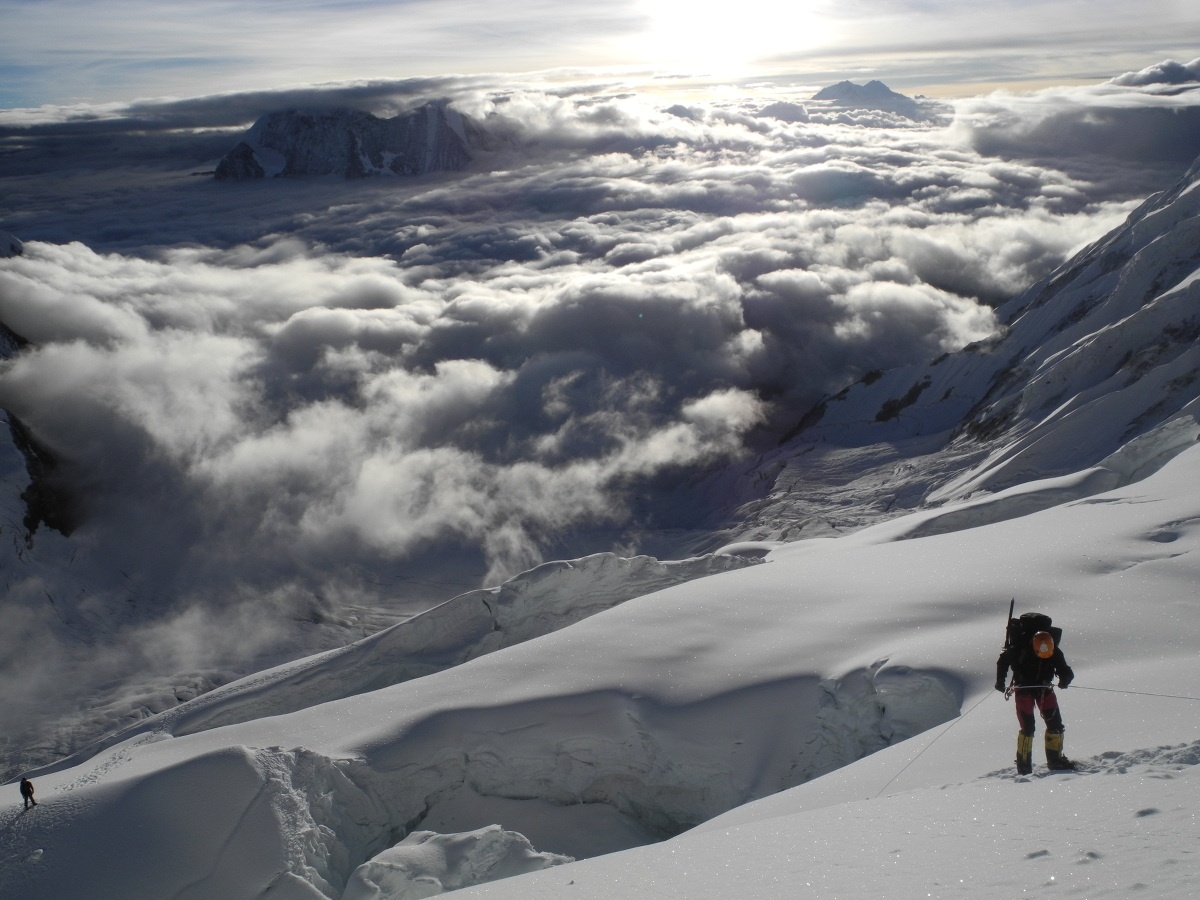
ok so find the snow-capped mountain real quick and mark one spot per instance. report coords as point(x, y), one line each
point(872, 95)
point(1055, 464)
point(297, 143)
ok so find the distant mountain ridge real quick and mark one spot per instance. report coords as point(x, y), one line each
point(299, 143)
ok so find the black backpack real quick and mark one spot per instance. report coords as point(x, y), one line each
point(1021, 631)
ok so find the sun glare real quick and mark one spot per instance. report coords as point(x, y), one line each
point(731, 36)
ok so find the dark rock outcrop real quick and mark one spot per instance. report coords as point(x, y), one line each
point(48, 501)
point(239, 164)
point(10, 246)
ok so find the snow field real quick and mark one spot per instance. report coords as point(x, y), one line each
point(1128, 829)
point(671, 708)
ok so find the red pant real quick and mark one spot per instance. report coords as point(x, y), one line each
point(1047, 704)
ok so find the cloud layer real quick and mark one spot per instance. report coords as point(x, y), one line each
point(561, 323)
point(318, 397)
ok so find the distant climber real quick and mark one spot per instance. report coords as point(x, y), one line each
point(1031, 650)
point(27, 792)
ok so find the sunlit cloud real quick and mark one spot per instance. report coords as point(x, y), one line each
point(97, 50)
point(69, 51)
point(712, 37)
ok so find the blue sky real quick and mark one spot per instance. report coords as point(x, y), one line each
point(66, 52)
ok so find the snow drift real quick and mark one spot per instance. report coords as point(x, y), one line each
point(426, 863)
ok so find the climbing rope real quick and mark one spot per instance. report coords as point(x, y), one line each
point(931, 743)
point(1082, 687)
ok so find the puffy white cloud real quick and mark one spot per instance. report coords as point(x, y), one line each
point(1166, 72)
point(1095, 132)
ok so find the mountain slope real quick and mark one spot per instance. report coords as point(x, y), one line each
point(665, 711)
point(1099, 353)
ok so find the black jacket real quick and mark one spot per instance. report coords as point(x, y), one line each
point(1030, 669)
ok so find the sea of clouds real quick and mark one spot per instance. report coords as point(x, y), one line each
point(293, 411)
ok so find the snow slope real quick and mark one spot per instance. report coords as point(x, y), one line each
point(1128, 828)
point(670, 709)
point(547, 598)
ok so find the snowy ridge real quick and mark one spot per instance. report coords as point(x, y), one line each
point(1133, 462)
point(625, 774)
point(543, 600)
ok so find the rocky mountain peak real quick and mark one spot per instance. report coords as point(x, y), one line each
point(298, 143)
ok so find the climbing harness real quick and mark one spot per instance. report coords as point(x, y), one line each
point(1014, 687)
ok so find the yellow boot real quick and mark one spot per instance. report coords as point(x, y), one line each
point(1024, 753)
point(1054, 755)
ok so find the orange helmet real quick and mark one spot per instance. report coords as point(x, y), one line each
point(1043, 644)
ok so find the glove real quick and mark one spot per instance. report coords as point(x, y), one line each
point(1000, 686)
point(1062, 685)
